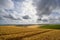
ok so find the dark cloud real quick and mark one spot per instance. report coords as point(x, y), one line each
point(26, 17)
point(44, 7)
point(10, 17)
point(14, 16)
point(45, 20)
point(16, 9)
point(19, 0)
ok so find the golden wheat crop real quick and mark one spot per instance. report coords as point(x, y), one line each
point(51, 35)
point(22, 33)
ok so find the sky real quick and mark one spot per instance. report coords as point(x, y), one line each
point(29, 11)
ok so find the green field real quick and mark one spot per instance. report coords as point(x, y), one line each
point(51, 26)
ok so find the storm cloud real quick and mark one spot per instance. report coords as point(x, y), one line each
point(45, 7)
point(26, 17)
point(29, 11)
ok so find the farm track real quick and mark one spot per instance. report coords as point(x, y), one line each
point(28, 35)
point(51, 35)
point(17, 33)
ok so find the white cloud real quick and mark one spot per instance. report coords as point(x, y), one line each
point(17, 9)
point(20, 9)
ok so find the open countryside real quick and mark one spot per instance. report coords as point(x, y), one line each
point(30, 32)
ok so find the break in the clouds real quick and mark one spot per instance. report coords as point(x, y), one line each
point(29, 11)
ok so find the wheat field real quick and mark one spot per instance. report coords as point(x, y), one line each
point(28, 33)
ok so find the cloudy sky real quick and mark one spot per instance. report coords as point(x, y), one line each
point(29, 11)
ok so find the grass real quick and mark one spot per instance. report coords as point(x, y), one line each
point(51, 26)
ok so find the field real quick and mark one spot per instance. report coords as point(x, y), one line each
point(51, 26)
point(32, 32)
